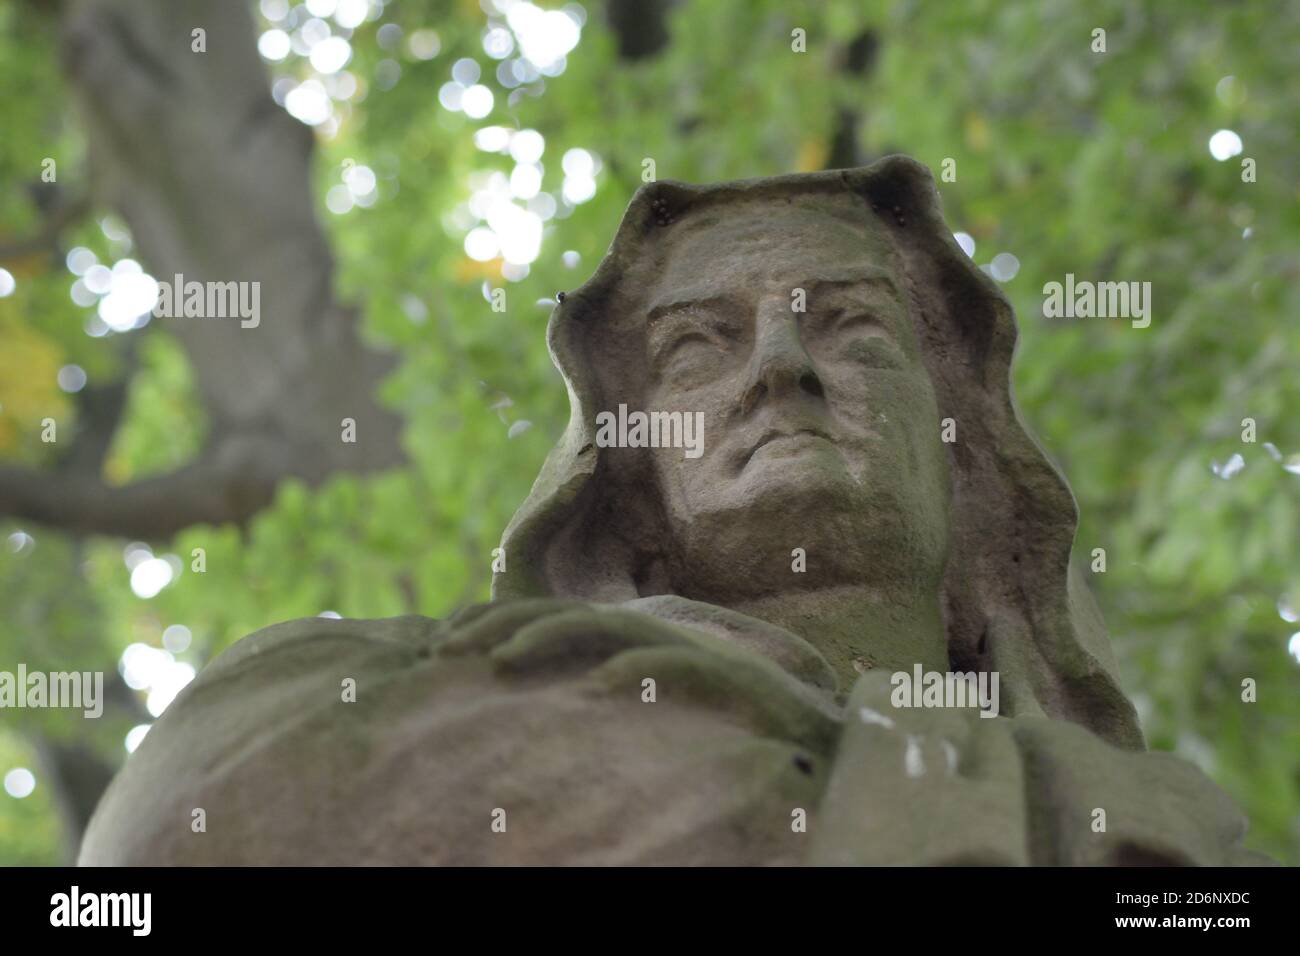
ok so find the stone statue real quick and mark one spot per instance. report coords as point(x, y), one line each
point(694, 659)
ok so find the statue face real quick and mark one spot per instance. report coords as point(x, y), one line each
point(787, 327)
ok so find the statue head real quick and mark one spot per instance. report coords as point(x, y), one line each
point(846, 368)
point(784, 329)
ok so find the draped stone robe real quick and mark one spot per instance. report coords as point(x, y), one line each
point(453, 723)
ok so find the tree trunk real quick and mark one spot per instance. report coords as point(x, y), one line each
point(214, 181)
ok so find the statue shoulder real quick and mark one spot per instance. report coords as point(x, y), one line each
point(244, 705)
point(321, 638)
point(300, 708)
point(404, 741)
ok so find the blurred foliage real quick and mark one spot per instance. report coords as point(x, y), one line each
point(1077, 162)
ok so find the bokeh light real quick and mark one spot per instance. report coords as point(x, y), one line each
point(19, 783)
point(1225, 144)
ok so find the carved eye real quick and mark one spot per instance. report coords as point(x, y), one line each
point(684, 341)
point(861, 337)
point(850, 320)
point(693, 344)
point(873, 351)
point(687, 351)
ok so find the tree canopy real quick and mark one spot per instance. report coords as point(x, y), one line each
point(388, 166)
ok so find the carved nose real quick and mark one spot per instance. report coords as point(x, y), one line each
point(781, 366)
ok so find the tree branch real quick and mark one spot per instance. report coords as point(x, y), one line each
point(858, 59)
point(640, 26)
point(152, 509)
point(214, 180)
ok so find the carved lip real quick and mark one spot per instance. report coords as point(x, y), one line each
point(773, 434)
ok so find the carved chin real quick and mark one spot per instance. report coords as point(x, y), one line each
point(864, 529)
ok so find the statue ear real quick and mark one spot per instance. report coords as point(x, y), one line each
point(658, 205)
point(900, 190)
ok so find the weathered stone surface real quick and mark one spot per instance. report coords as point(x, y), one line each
point(822, 436)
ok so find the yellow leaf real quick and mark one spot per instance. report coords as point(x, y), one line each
point(471, 270)
point(29, 389)
point(812, 156)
